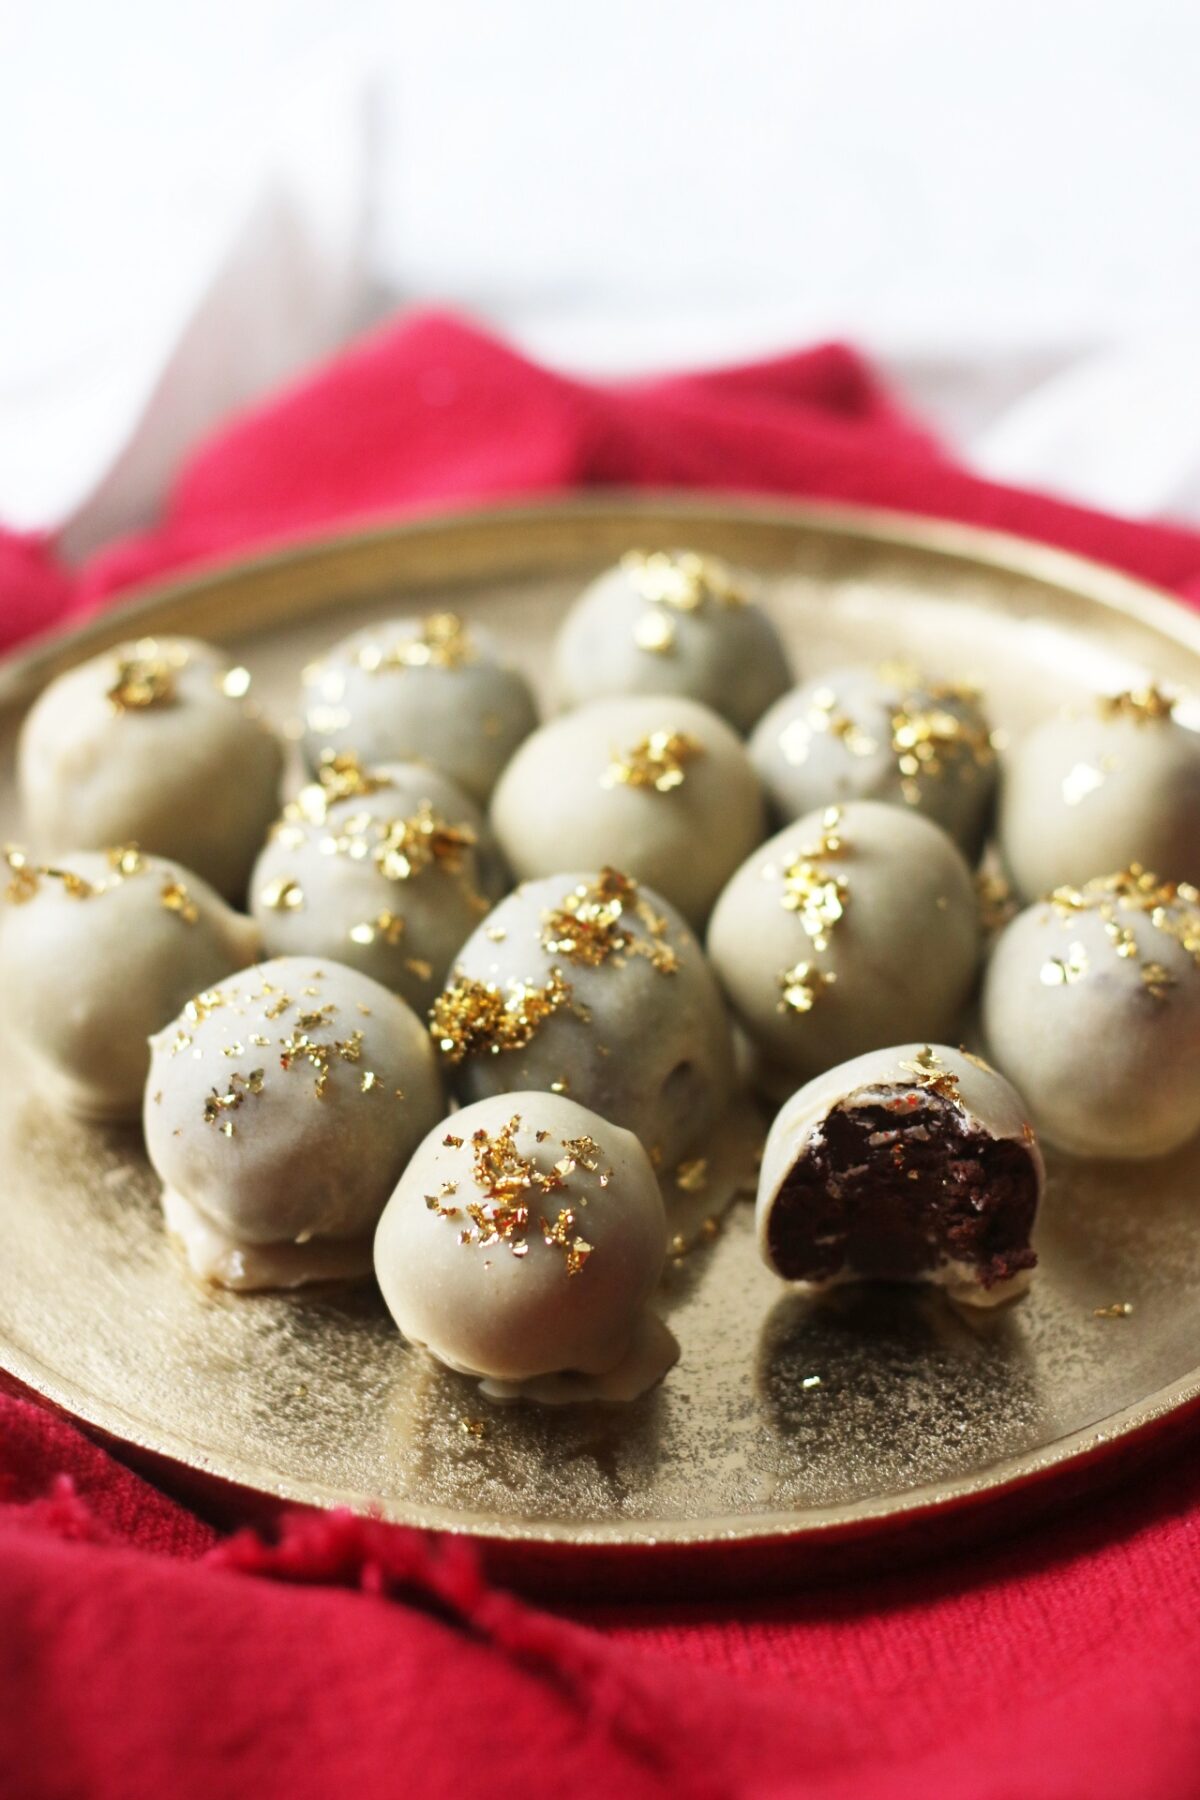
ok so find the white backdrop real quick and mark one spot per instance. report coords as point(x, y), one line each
point(998, 201)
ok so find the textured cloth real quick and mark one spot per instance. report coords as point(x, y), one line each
point(142, 1654)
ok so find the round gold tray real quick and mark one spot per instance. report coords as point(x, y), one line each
point(789, 1432)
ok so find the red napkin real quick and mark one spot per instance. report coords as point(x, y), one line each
point(142, 1655)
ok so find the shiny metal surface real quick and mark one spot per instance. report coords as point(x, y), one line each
point(783, 1420)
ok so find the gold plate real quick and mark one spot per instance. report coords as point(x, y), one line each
point(788, 1430)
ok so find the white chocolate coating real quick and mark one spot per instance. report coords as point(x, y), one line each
point(844, 932)
point(283, 1105)
point(97, 956)
point(390, 878)
point(565, 1243)
point(183, 766)
point(865, 734)
point(419, 690)
point(672, 622)
point(636, 1029)
point(989, 1104)
point(1091, 1004)
point(1083, 795)
point(658, 786)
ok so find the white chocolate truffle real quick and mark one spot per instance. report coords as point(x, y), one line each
point(525, 1239)
point(655, 785)
point(426, 690)
point(916, 1163)
point(1091, 1004)
point(845, 932)
point(154, 743)
point(386, 870)
point(281, 1108)
point(99, 952)
point(672, 622)
point(1085, 794)
point(592, 986)
point(892, 735)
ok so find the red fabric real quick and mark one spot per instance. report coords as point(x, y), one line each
point(141, 1654)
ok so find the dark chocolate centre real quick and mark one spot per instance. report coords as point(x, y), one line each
point(892, 1190)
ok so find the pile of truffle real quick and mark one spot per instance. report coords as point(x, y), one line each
point(466, 1023)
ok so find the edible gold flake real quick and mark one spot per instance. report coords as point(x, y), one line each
point(1119, 1309)
point(575, 1249)
point(1157, 979)
point(692, 1176)
point(23, 883)
point(1143, 705)
point(473, 1427)
point(818, 897)
point(1169, 907)
point(440, 641)
point(657, 761)
point(145, 677)
point(419, 966)
point(472, 1018)
point(323, 1057)
point(284, 894)
point(202, 1006)
point(369, 1082)
point(561, 1086)
point(929, 738)
point(496, 934)
point(176, 899)
point(240, 1087)
point(455, 1143)
point(126, 860)
point(655, 633)
point(931, 1075)
point(823, 716)
point(593, 924)
point(996, 900)
point(800, 985)
point(682, 579)
point(407, 846)
point(386, 925)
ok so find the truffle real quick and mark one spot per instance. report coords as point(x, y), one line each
point(672, 622)
point(844, 932)
point(656, 785)
point(525, 1239)
point(419, 690)
point(387, 870)
point(891, 735)
point(1091, 1004)
point(281, 1108)
point(592, 986)
point(916, 1163)
point(153, 743)
point(1098, 790)
point(96, 953)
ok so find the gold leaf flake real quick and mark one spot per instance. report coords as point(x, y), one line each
point(284, 894)
point(657, 761)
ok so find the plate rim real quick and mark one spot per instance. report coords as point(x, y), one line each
point(1112, 589)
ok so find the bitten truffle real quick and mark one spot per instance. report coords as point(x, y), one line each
point(387, 870)
point(672, 622)
point(154, 743)
point(591, 985)
point(1099, 790)
point(1091, 1004)
point(525, 1239)
point(843, 933)
point(281, 1108)
point(658, 786)
point(916, 1163)
point(97, 953)
point(429, 690)
point(891, 735)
